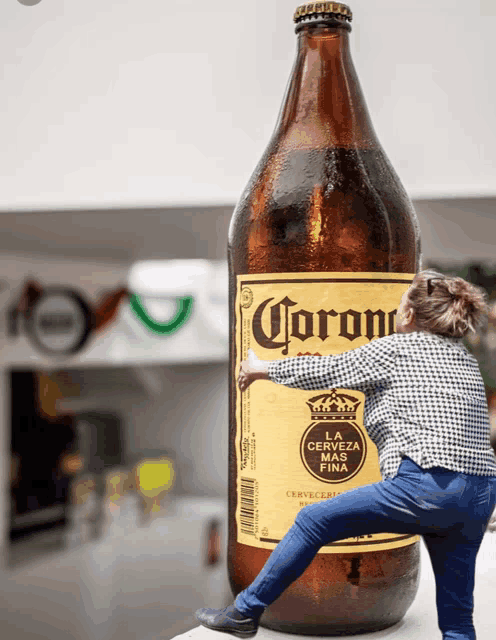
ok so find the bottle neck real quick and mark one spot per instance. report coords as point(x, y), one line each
point(324, 104)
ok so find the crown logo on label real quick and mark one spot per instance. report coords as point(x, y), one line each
point(334, 406)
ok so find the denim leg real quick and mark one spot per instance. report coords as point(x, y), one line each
point(453, 561)
point(453, 556)
point(356, 512)
point(435, 504)
point(285, 564)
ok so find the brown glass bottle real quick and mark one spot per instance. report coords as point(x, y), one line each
point(323, 198)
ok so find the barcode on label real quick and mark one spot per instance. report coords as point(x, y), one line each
point(247, 506)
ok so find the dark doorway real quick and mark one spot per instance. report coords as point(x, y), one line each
point(39, 488)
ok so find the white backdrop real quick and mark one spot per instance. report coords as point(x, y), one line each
point(160, 102)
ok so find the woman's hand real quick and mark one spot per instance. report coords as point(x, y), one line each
point(252, 369)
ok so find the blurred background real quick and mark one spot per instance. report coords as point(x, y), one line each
point(128, 133)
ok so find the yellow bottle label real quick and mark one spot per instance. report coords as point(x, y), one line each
point(297, 447)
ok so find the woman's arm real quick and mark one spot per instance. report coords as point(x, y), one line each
point(359, 369)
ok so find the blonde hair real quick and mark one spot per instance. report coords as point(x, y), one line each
point(447, 305)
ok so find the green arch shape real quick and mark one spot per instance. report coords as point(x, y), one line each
point(183, 312)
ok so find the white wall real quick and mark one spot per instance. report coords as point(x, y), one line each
point(190, 417)
point(118, 235)
point(458, 230)
point(163, 102)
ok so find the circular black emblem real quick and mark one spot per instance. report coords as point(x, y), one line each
point(333, 453)
point(59, 322)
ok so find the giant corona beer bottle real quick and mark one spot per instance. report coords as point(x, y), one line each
point(322, 246)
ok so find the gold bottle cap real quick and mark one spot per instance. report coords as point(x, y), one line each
point(315, 8)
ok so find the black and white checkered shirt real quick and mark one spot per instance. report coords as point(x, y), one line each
point(424, 398)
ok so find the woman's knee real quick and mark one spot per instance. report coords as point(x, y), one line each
point(311, 523)
point(307, 520)
point(307, 515)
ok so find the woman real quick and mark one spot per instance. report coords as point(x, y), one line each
point(426, 411)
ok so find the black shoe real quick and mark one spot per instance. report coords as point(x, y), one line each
point(229, 620)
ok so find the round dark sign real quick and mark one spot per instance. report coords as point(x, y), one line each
point(60, 322)
point(333, 452)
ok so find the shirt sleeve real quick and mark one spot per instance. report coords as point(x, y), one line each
point(361, 369)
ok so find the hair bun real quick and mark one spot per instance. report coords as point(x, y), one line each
point(448, 305)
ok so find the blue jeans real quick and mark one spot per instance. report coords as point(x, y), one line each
point(450, 510)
